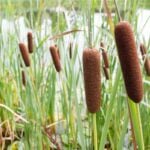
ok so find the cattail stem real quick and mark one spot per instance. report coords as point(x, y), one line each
point(89, 25)
point(95, 132)
point(108, 12)
point(118, 13)
point(132, 130)
point(137, 126)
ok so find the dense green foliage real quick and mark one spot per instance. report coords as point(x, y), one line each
point(53, 104)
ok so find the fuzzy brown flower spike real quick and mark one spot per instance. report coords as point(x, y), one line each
point(55, 57)
point(30, 42)
point(25, 54)
point(106, 73)
point(70, 50)
point(23, 78)
point(145, 58)
point(92, 79)
point(57, 50)
point(105, 56)
point(129, 60)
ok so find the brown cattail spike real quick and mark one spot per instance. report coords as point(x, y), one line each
point(104, 55)
point(57, 50)
point(129, 60)
point(55, 57)
point(25, 54)
point(70, 50)
point(92, 79)
point(106, 73)
point(23, 78)
point(143, 50)
point(105, 58)
point(102, 45)
point(145, 58)
point(30, 42)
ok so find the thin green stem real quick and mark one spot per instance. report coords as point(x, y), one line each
point(137, 126)
point(95, 132)
point(116, 6)
point(89, 24)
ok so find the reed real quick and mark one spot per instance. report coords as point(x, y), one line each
point(92, 79)
point(25, 54)
point(55, 57)
point(129, 60)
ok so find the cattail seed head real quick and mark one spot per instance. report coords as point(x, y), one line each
point(57, 50)
point(30, 42)
point(23, 78)
point(145, 58)
point(102, 45)
point(143, 49)
point(106, 73)
point(129, 60)
point(70, 50)
point(104, 55)
point(25, 54)
point(92, 79)
point(55, 57)
point(105, 58)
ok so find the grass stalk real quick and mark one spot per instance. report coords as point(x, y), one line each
point(89, 25)
point(94, 131)
point(109, 112)
point(132, 130)
point(137, 126)
point(124, 129)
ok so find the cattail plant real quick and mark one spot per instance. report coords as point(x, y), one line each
point(105, 59)
point(145, 58)
point(104, 55)
point(30, 42)
point(70, 50)
point(57, 50)
point(55, 57)
point(92, 79)
point(132, 77)
point(23, 77)
point(25, 54)
point(129, 60)
point(106, 73)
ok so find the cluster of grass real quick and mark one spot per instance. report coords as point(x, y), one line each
point(50, 111)
point(16, 5)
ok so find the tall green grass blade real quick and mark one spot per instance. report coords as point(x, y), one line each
point(110, 109)
point(137, 126)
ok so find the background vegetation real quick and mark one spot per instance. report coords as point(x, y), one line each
point(50, 111)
